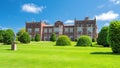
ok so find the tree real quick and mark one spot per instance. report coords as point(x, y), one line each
point(8, 37)
point(84, 41)
point(37, 37)
point(114, 36)
point(25, 38)
point(20, 32)
point(53, 37)
point(63, 40)
point(102, 37)
point(2, 32)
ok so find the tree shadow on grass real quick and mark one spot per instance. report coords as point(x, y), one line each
point(104, 53)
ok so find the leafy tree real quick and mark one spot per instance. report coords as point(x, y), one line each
point(102, 37)
point(37, 37)
point(2, 32)
point(20, 32)
point(53, 37)
point(8, 37)
point(24, 38)
point(63, 40)
point(114, 36)
point(84, 41)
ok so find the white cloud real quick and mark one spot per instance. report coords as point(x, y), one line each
point(115, 1)
point(69, 22)
point(106, 24)
point(110, 15)
point(3, 28)
point(32, 8)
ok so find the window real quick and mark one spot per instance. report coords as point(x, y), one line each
point(90, 29)
point(29, 30)
point(66, 30)
point(56, 29)
point(71, 30)
point(50, 30)
point(79, 29)
point(45, 30)
point(36, 29)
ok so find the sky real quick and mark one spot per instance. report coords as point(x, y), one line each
point(15, 13)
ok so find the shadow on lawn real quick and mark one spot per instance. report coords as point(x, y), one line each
point(104, 53)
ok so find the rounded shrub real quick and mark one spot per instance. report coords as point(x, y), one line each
point(53, 37)
point(25, 38)
point(8, 37)
point(63, 40)
point(37, 37)
point(84, 41)
point(114, 36)
point(93, 40)
point(102, 37)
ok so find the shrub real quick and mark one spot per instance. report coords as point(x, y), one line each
point(33, 39)
point(84, 41)
point(53, 37)
point(114, 36)
point(76, 39)
point(20, 32)
point(2, 32)
point(37, 37)
point(25, 38)
point(8, 37)
point(63, 40)
point(102, 37)
point(93, 40)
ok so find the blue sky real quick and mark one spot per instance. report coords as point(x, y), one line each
point(14, 13)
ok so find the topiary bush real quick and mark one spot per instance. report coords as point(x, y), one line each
point(114, 36)
point(24, 38)
point(102, 37)
point(63, 41)
point(53, 37)
point(84, 41)
point(8, 37)
point(37, 37)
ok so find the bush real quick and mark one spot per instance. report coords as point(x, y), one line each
point(76, 39)
point(53, 37)
point(102, 37)
point(33, 39)
point(114, 36)
point(2, 32)
point(24, 38)
point(63, 41)
point(84, 41)
point(8, 37)
point(37, 37)
point(93, 40)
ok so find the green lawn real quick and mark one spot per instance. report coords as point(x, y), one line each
point(46, 55)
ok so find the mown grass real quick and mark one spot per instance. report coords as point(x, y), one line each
point(46, 55)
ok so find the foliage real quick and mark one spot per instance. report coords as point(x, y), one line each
point(93, 40)
point(102, 37)
point(2, 32)
point(84, 41)
point(24, 38)
point(33, 39)
point(114, 36)
point(76, 39)
point(53, 37)
point(63, 40)
point(37, 37)
point(20, 32)
point(8, 37)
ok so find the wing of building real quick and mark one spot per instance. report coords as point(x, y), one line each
point(80, 27)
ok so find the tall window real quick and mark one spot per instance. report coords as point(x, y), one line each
point(66, 30)
point(90, 29)
point(50, 30)
point(79, 29)
point(56, 29)
point(36, 29)
point(29, 30)
point(45, 30)
point(71, 30)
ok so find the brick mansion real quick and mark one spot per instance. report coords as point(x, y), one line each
point(80, 27)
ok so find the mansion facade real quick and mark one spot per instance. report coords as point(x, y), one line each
point(74, 31)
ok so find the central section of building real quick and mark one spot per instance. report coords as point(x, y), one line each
point(74, 31)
